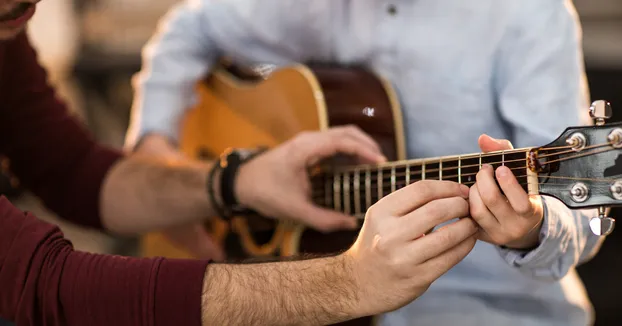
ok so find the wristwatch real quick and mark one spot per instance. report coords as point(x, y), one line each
point(230, 162)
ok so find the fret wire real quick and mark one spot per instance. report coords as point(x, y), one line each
point(367, 189)
point(407, 174)
point(480, 161)
point(521, 168)
point(459, 170)
point(423, 171)
point(336, 192)
point(379, 183)
point(446, 169)
point(346, 193)
point(464, 166)
point(456, 175)
point(357, 193)
point(440, 169)
point(503, 158)
point(445, 159)
point(393, 179)
point(327, 189)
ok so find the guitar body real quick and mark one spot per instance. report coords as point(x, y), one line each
point(242, 109)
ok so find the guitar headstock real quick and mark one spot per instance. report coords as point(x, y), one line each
point(583, 167)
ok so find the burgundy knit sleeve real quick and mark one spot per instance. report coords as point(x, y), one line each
point(43, 281)
point(51, 153)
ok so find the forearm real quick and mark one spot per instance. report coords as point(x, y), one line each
point(43, 279)
point(144, 193)
point(318, 291)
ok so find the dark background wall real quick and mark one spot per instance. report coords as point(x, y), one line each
point(603, 275)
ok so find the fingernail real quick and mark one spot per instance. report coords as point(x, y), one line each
point(383, 159)
point(486, 166)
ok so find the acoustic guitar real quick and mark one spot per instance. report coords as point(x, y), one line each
point(246, 108)
point(264, 107)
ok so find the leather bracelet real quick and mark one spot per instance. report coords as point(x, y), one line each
point(230, 168)
point(230, 162)
point(212, 193)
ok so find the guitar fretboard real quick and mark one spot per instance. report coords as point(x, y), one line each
point(353, 190)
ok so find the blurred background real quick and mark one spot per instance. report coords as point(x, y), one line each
point(92, 57)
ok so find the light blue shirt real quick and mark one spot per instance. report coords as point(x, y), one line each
point(511, 69)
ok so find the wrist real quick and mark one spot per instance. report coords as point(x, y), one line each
point(529, 242)
point(232, 187)
point(242, 190)
point(357, 302)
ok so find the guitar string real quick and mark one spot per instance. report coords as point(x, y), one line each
point(555, 177)
point(418, 172)
point(574, 151)
point(579, 155)
point(321, 200)
point(432, 161)
point(470, 156)
point(475, 173)
point(603, 180)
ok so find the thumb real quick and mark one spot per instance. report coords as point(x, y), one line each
point(489, 144)
point(324, 220)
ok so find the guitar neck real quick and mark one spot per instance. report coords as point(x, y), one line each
point(352, 190)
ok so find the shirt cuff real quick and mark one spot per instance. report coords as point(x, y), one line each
point(178, 292)
point(553, 239)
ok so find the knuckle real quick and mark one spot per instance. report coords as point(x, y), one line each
point(524, 208)
point(491, 198)
point(476, 209)
point(373, 211)
point(382, 247)
point(433, 209)
point(423, 188)
point(462, 206)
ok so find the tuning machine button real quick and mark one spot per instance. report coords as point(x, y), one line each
point(615, 138)
point(577, 141)
point(616, 190)
point(600, 111)
point(602, 225)
point(579, 192)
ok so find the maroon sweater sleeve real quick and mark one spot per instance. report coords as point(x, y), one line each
point(50, 151)
point(43, 281)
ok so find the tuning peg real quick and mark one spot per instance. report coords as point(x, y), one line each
point(600, 111)
point(602, 225)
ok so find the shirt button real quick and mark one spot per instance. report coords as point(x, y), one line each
point(391, 9)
